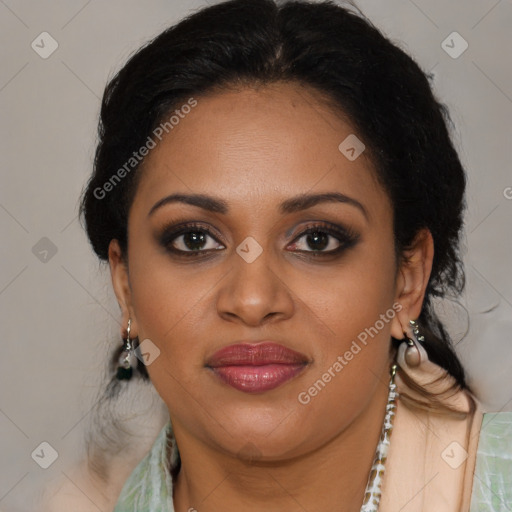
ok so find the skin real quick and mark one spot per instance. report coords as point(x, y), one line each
point(254, 148)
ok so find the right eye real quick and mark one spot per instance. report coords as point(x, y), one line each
point(189, 240)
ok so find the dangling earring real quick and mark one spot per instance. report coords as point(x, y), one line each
point(124, 370)
point(412, 355)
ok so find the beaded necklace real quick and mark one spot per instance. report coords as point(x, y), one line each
point(373, 487)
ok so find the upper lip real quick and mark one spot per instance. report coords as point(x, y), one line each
point(251, 353)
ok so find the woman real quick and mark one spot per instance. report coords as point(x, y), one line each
point(279, 201)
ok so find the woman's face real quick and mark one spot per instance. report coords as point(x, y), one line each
point(247, 273)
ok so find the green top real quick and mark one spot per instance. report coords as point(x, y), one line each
point(492, 483)
point(149, 487)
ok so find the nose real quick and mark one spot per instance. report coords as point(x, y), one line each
point(254, 293)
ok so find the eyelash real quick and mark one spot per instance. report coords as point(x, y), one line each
point(345, 236)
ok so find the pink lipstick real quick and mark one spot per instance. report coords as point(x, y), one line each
point(256, 367)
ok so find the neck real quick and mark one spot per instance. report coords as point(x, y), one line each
point(333, 477)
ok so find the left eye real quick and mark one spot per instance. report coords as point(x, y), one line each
point(318, 240)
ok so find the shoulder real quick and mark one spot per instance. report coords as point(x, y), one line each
point(151, 478)
point(77, 491)
point(492, 482)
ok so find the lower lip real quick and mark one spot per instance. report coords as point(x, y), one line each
point(255, 379)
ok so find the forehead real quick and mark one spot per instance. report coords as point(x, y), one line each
point(258, 146)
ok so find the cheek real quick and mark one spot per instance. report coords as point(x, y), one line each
point(354, 314)
point(349, 366)
point(352, 297)
point(169, 305)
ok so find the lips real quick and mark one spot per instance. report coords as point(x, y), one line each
point(256, 367)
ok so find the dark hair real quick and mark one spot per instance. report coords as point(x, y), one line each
point(341, 55)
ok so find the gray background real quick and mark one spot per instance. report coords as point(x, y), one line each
point(58, 312)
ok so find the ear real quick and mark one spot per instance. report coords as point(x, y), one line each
point(412, 280)
point(121, 285)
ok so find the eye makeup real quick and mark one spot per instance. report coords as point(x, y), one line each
point(180, 238)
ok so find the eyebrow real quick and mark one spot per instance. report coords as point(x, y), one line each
point(291, 205)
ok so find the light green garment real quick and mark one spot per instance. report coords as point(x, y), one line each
point(492, 483)
point(149, 487)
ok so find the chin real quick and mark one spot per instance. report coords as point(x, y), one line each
point(269, 433)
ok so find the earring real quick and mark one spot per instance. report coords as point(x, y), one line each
point(124, 369)
point(412, 355)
